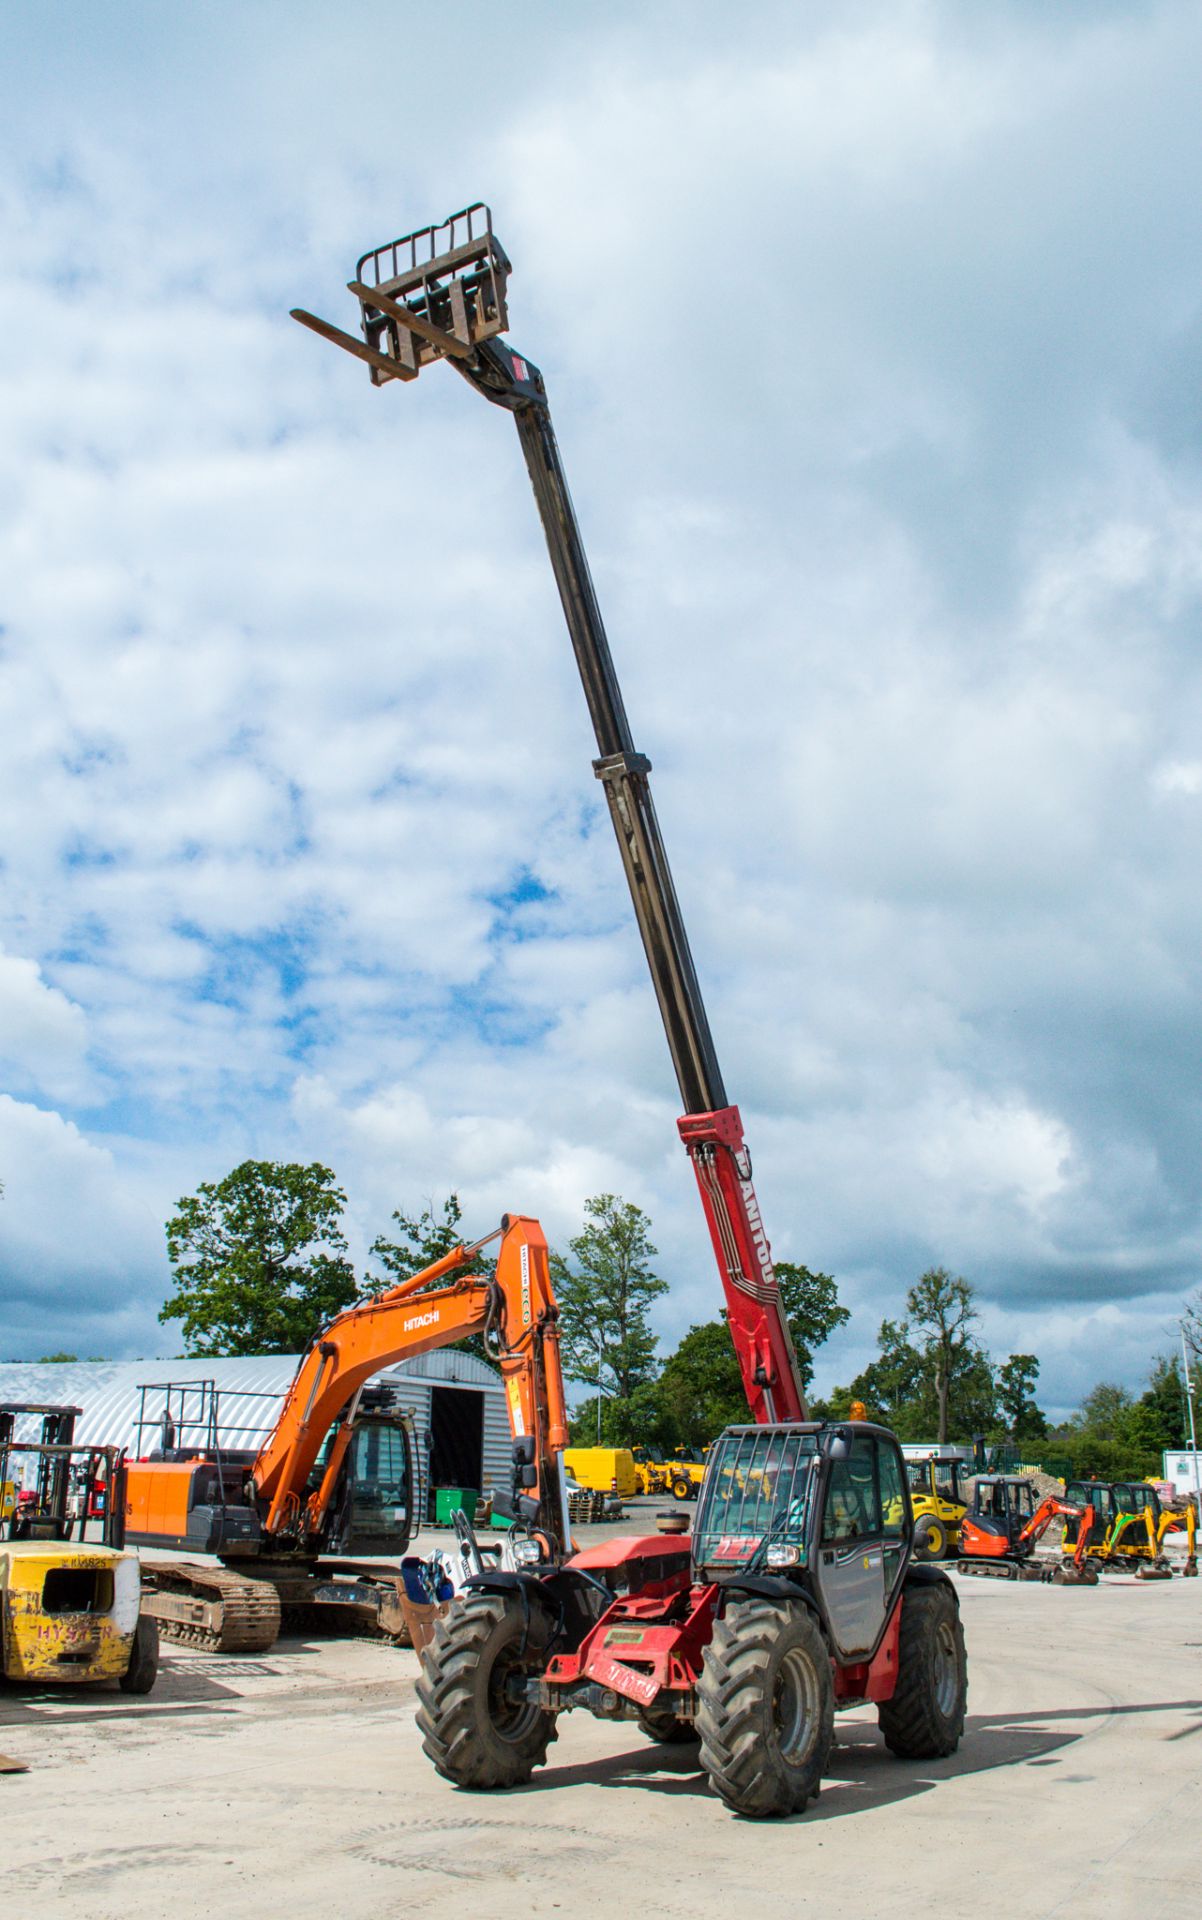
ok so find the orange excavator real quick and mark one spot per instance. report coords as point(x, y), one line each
point(999, 1533)
point(273, 1517)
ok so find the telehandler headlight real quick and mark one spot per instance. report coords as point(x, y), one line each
point(527, 1553)
point(780, 1555)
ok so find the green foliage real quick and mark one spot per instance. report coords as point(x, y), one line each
point(1016, 1379)
point(811, 1303)
point(637, 1421)
point(1118, 1437)
point(604, 1294)
point(260, 1260)
point(930, 1379)
point(701, 1387)
point(423, 1238)
point(55, 1359)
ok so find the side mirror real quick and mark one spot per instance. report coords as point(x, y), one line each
point(840, 1447)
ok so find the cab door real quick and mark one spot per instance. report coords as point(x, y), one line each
point(851, 1551)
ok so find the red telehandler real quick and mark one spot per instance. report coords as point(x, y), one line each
point(797, 1593)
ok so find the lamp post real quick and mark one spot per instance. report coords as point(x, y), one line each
point(1193, 1436)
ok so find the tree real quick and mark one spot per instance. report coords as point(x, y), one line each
point(943, 1384)
point(700, 1390)
point(259, 1259)
point(1016, 1379)
point(940, 1307)
point(424, 1238)
point(604, 1296)
point(639, 1420)
point(56, 1359)
point(811, 1303)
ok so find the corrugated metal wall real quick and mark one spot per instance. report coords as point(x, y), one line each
point(109, 1394)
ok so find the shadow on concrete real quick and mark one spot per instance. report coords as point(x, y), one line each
point(863, 1773)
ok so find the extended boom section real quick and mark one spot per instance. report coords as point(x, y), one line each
point(440, 294)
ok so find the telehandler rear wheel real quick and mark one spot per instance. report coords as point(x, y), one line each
point(765, 1708)
point(475, 1725)
point(925, 1718)
point(682, 1487)
point(666, 1730)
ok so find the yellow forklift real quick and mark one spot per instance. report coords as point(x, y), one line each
point(938, 1502)
point(70, 1593)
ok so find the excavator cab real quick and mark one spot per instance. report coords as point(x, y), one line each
point(1099, 1495)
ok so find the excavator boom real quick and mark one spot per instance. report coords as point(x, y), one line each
point(440, 293)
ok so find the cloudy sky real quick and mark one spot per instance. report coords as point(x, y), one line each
point(873, 338)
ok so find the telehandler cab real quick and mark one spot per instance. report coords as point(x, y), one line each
point(799, 1595)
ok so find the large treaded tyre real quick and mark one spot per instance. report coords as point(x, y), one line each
point(765, 1708)
point(143, 1668)
point(925, 1718)
point(475, 1734)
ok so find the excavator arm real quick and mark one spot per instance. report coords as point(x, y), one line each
point(516, 1312)
point(440, 293)
point(1052, 1509)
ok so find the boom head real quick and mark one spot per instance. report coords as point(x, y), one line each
point(437, 293)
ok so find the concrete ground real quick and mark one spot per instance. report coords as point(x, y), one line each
point(295, 1784)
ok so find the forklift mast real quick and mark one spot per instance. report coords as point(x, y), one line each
point(440, 293)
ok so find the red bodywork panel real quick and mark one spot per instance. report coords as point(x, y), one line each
point(715, 1145)
point(652, 1639)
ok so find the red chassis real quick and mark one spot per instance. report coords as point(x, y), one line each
point(645, 1651)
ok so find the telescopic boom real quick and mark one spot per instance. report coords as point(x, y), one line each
point(438, 294)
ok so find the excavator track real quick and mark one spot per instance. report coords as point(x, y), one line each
point(211, 1608)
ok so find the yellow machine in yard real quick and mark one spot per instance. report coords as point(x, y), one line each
point(603, 1470)
point(70, 1595)
point(1136, 1539)
point(938, 1503)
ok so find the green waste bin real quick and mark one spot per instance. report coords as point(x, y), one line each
point(447, 1499)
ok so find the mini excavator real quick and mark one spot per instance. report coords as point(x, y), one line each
point(1002, 1528)
point(797, 1593)
point(1135, 1541)
point(277, 1519)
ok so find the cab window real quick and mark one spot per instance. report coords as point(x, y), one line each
point(852, 1512)
point(892, 1491)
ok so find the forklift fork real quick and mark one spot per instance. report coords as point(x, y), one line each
point(431, 295)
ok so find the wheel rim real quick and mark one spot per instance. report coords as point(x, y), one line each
point(947, 1669)
point(795, 1705)
point(512, 1720)
point(935, 1542)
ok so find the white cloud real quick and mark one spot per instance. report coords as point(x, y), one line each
point(871, 345)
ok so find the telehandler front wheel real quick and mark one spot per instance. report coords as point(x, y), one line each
point(765, 1708)
point(925, 1718)
point(475, 1724)
point(682, 1488)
